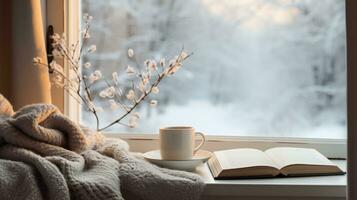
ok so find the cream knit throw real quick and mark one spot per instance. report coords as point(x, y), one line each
point(44, 155)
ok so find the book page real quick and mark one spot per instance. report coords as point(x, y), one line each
point(285, 156)
point(243, 158)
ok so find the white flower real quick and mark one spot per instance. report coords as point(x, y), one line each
point(155, 90)
point(103, 94)
point(162, 62)
point(92, 78)
point(87, 65)
point(111, 92)
point(145, 80)
point(175, 68)
point(147, 63)
point(130, 70)
point(130, 95)
point(172, 62)
point(37, 60)
point(108, 92)
point(133, 121)
point(95, 76)
point(92, 48)
point(86, 16)
point(99, 109)
point(130, 53)
point(56, 67)
point(183, 55)
point(137, 115)
point(142, 87)
point(153, 103)
point(115, 77)
point(152, 65)
point(58, 81)
point(98, 74)
point(113, 104)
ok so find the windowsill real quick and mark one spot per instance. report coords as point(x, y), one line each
point(318, 187)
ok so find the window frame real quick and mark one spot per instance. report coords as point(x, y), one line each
point(64, 14)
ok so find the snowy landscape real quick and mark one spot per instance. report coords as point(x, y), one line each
point(259, 67)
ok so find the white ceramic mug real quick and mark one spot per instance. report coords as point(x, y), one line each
point(178, 143)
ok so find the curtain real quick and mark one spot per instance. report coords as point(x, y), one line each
point(352, 99)
point(5, 47)
point(28, 83)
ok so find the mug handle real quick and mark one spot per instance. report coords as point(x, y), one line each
point(202, 142)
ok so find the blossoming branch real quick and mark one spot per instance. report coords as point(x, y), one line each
point(147, 78)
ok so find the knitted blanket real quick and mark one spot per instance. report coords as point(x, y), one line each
point(44, 155)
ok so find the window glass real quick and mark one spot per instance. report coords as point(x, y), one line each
point(259, 68)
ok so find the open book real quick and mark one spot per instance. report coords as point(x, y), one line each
point(284, 161)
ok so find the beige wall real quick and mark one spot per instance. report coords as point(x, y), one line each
point(5, 47)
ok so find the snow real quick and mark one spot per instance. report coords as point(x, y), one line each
point(260, 67)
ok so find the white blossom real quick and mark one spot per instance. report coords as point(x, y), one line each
point(98, 73)
point(145, 80)
point(98, 109)
point(103, 93)
point(58, 81)
point(56, 67)
point(137, 115)
point(87, 17)
point(108, 92)
point(95, 76)
point(152, 65)
point(37, 60)
point(130, 70)
point(162, 62)
point(115, 77)
point(87, 65)
point(183, 55)
point(155, 90)
point(172, 62)
point(153, 103)
point(130, 53)
point(92, 78)
point(113, 105)
point(142, 87)
point(92, 48)
point(147, 63)
point(130, 95)
point(133, 121)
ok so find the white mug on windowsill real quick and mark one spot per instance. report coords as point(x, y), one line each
point(178, 142)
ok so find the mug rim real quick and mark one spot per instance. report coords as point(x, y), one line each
point(176, 128)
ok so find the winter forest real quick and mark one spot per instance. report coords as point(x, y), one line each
point(272, 68)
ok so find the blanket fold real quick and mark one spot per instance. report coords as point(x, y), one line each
point(61, 160)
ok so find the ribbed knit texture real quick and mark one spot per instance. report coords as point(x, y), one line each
point(44, 155)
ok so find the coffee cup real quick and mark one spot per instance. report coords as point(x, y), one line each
point(178, 142)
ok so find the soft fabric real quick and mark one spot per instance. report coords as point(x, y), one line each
point(44, 155)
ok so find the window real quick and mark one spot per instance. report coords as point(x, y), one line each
point(272, 68)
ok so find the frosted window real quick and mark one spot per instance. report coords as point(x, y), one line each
point(260, 67)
